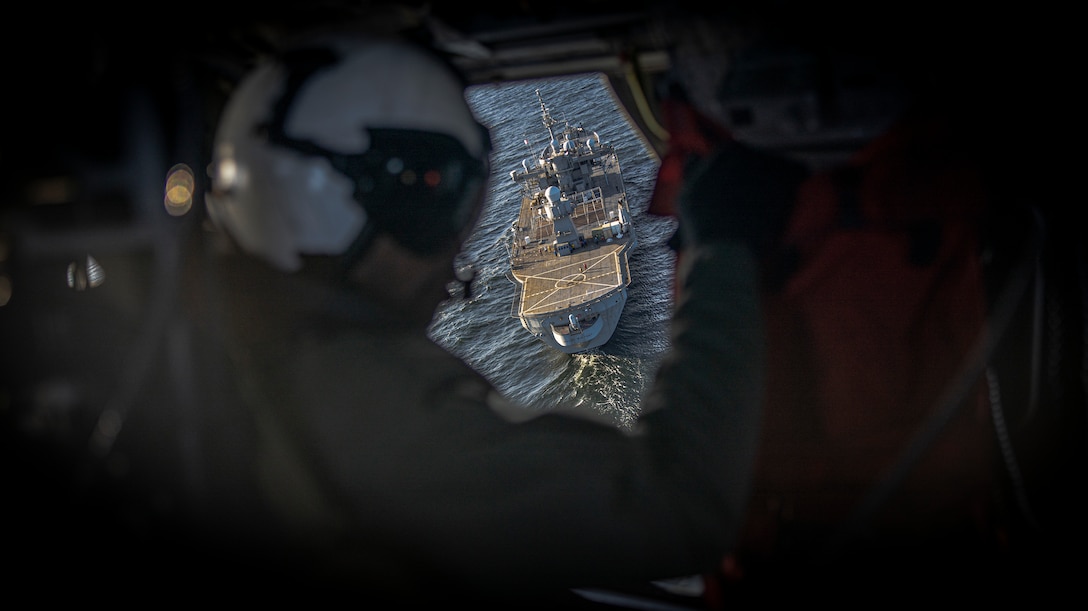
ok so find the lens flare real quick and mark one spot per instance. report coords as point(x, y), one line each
point(179, 190)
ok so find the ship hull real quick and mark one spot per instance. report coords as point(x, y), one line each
point(598, 323)
point(571, 241)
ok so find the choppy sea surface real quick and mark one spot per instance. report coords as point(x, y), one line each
point(481, 330)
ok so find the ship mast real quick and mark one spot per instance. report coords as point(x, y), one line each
point(546, 117)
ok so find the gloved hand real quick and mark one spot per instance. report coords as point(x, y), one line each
point(737, 192)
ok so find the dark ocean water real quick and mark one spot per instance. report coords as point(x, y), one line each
point(482, 331)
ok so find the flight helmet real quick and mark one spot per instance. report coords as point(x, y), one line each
point(340, 138)
point(786, 90)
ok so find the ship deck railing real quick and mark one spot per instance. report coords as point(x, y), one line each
point(515, 305)
point(625, 270)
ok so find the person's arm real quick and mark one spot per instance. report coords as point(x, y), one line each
point(556, 501)
point(703, 411)
point(571, 502)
